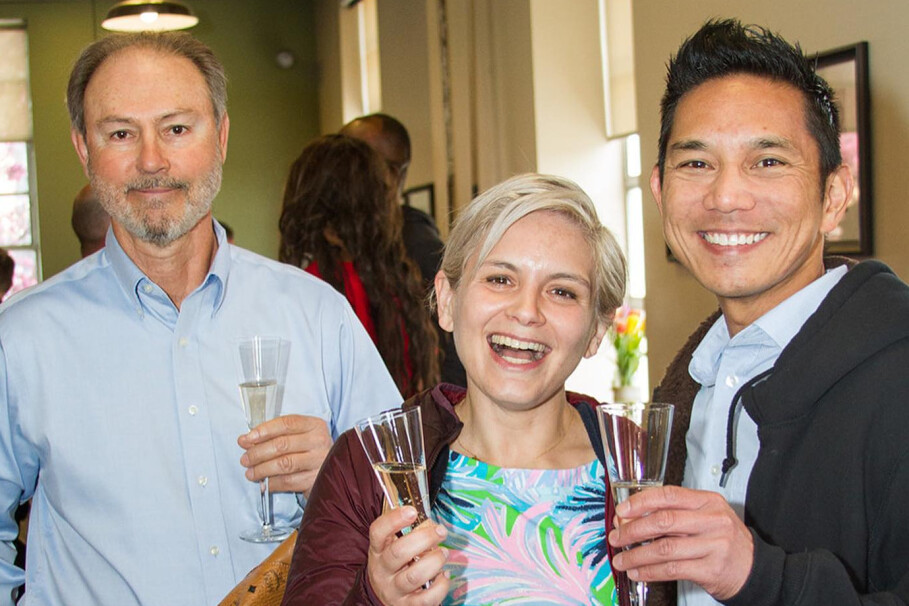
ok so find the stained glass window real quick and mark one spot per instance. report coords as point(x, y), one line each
point(18, 216)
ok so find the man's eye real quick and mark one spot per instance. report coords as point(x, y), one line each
point(694, 164)
point(120, 134)
point(179, 129)
point(768, 162)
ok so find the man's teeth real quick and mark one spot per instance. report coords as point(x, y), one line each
point(724, 239)
point(516, 351)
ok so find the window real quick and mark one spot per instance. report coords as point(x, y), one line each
point(18, 208)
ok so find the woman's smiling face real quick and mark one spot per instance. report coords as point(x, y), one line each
point(524, 318)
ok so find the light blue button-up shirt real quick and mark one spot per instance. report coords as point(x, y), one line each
point(721, 366)
point(119, 415)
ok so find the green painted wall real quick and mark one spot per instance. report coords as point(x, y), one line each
point(273, 111)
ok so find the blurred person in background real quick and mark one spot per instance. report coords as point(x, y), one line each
point(90, 221)
point(340, 222)
point(422, 241)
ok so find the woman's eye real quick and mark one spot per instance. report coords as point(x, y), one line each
point(497, 280)
point(564, 293)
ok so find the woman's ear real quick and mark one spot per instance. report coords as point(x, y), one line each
point(597, 338)
point(444, 301)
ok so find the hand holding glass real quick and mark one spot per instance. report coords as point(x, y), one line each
point(262, 367)
point(393, 442)
point(636, 437)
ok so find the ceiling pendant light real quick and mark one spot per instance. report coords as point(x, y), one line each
point(139, 15)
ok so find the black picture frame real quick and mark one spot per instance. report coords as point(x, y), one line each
point(422, 198)
point(846, 71)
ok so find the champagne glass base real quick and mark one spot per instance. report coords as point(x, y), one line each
point(267, 534)
point(637, 593)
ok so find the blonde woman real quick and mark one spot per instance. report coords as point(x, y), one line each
point(529, 284)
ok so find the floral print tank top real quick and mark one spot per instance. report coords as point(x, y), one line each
point(525, 536)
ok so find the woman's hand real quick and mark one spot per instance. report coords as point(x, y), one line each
point(399, 567)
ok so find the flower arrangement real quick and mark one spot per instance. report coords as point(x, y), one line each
point(627, 334)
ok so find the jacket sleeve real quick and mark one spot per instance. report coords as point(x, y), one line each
point(813, 578)
point(819, 578)
point(329, 562)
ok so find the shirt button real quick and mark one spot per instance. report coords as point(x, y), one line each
point(148, 288)
point(732, 381)
point(214, 550)
point(193, 410)
point(715, 470)
point(183, 342)
point(203, 481)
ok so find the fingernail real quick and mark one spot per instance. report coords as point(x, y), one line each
point(633, 574)
point(249, 474)
point(617, 560)
point(410, 513)
point(244, 460)
point(622, 508)
point(253, 435)
point(441, 531)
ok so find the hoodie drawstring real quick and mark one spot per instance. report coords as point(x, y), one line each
point(730, 461)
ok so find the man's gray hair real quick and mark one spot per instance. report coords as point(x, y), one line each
point(179, 44)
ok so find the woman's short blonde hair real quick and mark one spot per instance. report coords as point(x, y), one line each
point(486, 219)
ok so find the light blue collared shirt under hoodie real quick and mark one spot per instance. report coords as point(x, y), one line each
point(119, 416)
point(721, 366)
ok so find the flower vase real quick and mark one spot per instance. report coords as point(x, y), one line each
point(626, 393)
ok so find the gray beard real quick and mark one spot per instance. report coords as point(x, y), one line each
point(199, 196)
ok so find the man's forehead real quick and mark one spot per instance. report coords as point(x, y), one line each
point(148, 77)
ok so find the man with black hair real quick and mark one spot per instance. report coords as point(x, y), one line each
point(791, 415)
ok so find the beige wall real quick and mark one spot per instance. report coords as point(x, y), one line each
point(675, 302)
point(273, 111)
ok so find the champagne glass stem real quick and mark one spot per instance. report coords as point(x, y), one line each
point(267, 514)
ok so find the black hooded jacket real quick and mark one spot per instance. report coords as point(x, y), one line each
point(828, 497)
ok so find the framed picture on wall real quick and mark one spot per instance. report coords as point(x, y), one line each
point(846, 70)
point(421, 198)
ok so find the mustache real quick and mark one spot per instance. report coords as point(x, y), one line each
point(156, 182)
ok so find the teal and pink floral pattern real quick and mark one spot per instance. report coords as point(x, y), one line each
point(525, 536)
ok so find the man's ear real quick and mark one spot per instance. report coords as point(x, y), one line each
point(223, 131)
point(78, 140)
point(656, 188)
point(444, 301)
point(837, 194)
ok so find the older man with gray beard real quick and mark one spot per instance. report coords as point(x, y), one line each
point(119, 410)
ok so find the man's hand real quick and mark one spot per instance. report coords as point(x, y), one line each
point(288, 450)
point(399, 567)
point(694, 535)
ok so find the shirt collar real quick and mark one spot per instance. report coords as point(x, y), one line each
point(130, 276)
point(780, 324)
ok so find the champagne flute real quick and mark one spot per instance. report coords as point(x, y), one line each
point(393, 441)
point(636, 437)
point(262, 367)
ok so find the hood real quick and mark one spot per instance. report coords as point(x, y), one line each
point(845, 331)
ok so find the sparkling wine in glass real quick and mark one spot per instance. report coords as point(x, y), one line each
point(636, 438)
point(262, 366)
point(393, 442)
